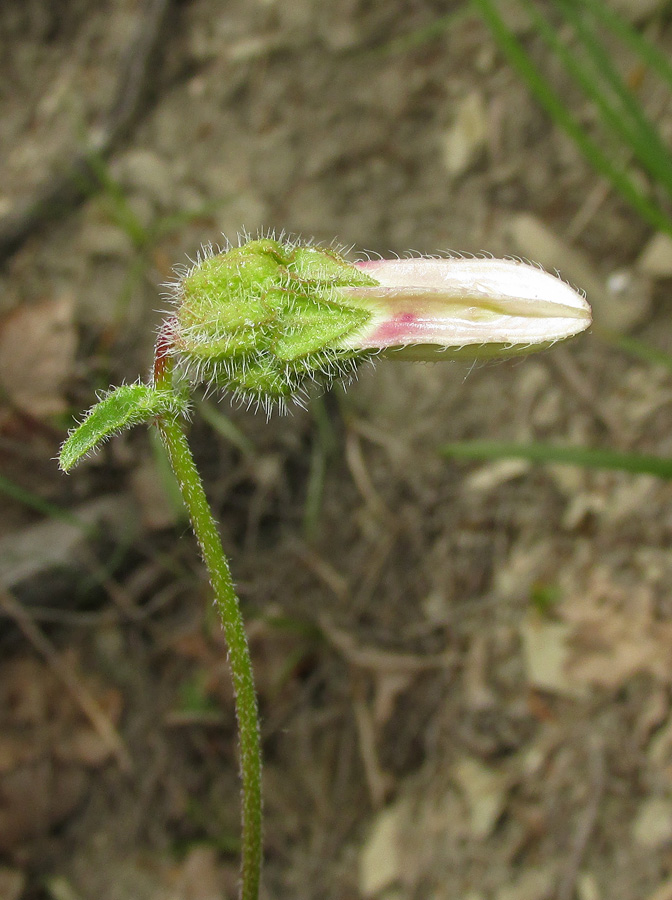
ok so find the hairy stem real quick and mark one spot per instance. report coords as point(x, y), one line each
point(228, 606)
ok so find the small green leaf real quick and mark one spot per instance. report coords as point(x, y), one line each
point(121, 408)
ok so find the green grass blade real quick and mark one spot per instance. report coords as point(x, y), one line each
point(423, 35)
point(586, 457)
point(554, 106)
point(32, 501)
point(324, 445)
point(649, 54)
point(604, 67)
point(223, 425)
point(628, 120)
point(168, 224)
point(636, 348)
point(116, 203)
point(601, 83)
point(166, 477)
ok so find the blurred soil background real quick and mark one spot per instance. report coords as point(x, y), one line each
point(464, 668)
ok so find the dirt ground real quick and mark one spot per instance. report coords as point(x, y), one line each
point(464, 669)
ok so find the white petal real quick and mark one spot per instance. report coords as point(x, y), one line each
point(455, 303)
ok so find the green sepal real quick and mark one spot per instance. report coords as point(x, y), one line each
point(121, 408)
point(266, 318)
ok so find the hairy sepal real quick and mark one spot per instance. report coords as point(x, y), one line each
point(121, 408)
point(265, 319)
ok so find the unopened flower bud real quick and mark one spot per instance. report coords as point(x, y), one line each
point(264, 318)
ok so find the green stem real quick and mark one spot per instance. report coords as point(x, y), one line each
point(228, 606)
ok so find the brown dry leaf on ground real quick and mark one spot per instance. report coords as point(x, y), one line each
point(37, 349)
point(615, 633)
point(419, 832)
point(606, 632)
point(35, 798)
point(199, 877)
point(46, 750)
point(12, 883)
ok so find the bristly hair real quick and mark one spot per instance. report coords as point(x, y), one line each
point(256, 378)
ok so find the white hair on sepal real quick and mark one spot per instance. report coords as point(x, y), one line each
point(342, 249)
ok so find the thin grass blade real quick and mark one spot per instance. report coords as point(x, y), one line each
point(649, 54)
point(556, 109)
point(627, 118)
point(32, 501)
point(600, 82)
point(585, 457)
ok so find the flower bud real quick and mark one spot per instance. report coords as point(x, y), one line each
point(264, 318)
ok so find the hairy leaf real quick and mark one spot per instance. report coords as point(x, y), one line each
point(125, 406)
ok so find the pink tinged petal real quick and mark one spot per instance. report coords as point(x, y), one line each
point(433, 305)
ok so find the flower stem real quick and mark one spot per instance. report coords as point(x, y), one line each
point(226, 600)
